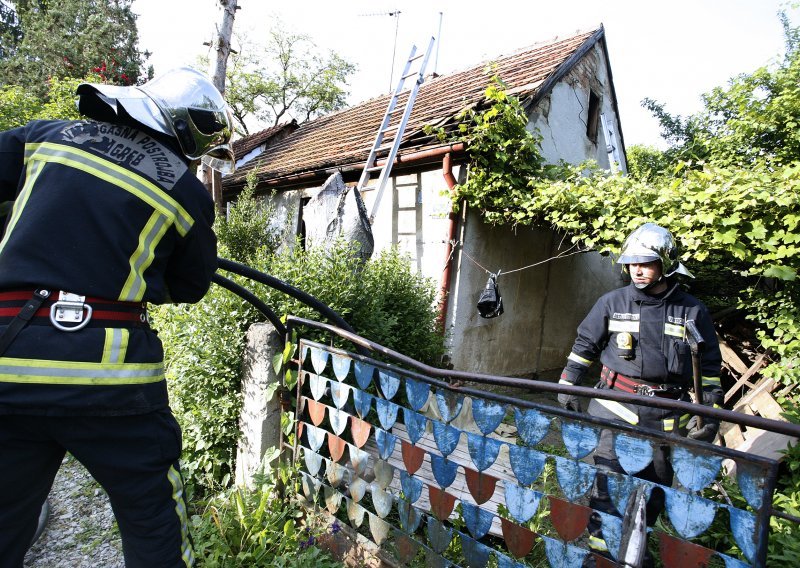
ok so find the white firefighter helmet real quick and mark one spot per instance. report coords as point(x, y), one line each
point(181, 103)
point(652, 242)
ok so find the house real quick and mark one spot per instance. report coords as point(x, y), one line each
point(567, 89)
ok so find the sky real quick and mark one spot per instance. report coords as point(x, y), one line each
point(671, 51)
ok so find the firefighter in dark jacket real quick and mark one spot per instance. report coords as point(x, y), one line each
point(108, 216)
point(638, 334)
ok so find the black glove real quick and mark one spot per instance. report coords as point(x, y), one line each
point(707, 433)
point(569, 402)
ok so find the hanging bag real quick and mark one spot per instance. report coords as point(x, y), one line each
point(490, 302)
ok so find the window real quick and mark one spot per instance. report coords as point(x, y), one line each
point(593, 117)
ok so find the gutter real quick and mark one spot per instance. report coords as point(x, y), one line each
point(452, 225)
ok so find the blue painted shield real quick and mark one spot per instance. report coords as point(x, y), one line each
point(363, 402)
point(355, 512)
point(438, 535)
point(620, 487)
point(387, 413)
point(752, 482)
point(314, 436)
point(743, 526)
point(410, 518)
point(690, 514)
point(449, 404)
point(433, 560)
point(483, 450)
point(532, 425)
point(339, 393)
point(379, 529)
point(358, 487)
point(341, 366)
point(477, 520)
point(504, 561)
point(488, 415)
point(574, 477)
point(415, 424)
point(634, 454)
point(695, 471)
point(444, 470)
point(389, 383)
point(526, 463)
point(338, 419)
point(611, 528)
point(732, 562)
point(417, 393)
point(381, 500)
point(385, 442)
point(476, 554)
point(332, 499)
point(579, 439)
point(384, 473)
point(304, 353)
point(561, 555)
point(364, 374)
point(311, 487)
point(359, 459)
point(313, 461)
point(317, 385)
point(319, 359)
point(336, 473)
point(522, 503)
point(412, 487)
point(446, 437)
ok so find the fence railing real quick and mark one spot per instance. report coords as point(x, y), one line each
point(444, 468)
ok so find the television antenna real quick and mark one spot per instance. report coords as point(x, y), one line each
point(396, 15)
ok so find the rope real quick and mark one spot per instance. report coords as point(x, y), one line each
point(563, 254)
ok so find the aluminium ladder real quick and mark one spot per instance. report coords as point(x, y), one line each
point(384, 129)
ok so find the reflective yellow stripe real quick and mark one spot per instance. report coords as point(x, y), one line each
point(621, 411)
point(669, 424)
point(131, 182)
point(116, 345)
point(597, 544)
point(565, 382)
point(33, 171)
point(578, 359)
point(180, 508)
point(684, 420)
point(629, 326)
point(142, 257)
point(711, 381)
point(674, 330)
point(36, 371)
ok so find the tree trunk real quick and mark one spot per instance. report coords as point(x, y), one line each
point(218, 65)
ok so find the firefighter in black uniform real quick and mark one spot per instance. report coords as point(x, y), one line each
point(638, 333)
point(108, 216)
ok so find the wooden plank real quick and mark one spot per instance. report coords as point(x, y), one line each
point(766, 406)
point(744, 380)
point(767, 385)
point(730, 357)
point(732, 434)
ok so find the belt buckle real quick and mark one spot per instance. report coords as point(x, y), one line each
point(646, 390)
point(70, 308)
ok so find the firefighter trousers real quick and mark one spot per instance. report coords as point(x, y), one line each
point(134, 458)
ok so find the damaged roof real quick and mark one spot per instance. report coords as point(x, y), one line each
point(345, 138)
point(244, 145)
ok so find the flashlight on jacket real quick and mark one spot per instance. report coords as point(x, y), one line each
point(625, 345)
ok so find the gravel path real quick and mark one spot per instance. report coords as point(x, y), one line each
point(81, 532)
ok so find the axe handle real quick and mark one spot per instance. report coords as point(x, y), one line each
point(696, 344)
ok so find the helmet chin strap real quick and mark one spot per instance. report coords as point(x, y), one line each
point(646, 287)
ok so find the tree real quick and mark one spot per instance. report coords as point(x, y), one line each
point(10, 30)
point(287, 77)
point(71, 39)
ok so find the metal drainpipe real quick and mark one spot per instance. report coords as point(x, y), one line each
point(444, 288)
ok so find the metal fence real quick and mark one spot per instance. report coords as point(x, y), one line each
point(443, 468)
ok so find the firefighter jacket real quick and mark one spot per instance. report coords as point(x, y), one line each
point(643, 337)
point(108, 212)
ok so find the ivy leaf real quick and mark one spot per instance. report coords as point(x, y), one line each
point(758, 232)
point(781, 272)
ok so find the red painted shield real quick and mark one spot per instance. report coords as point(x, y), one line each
point(412, 457)
point(519, 540)
point(316, 411)
point(677, 553)
point(603, 562)
point(441, 502)
point(336, 446)
point(407, 548)
point(481, 486)
point(360, 430)
point(569, 519)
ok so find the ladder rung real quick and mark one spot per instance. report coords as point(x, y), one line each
point(406, 208)
point(390, 128)
point(420, 56)
point(375, 169)
point(410, 75)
